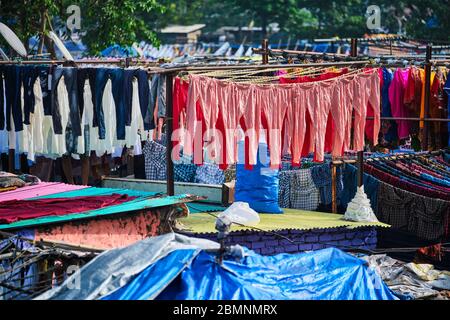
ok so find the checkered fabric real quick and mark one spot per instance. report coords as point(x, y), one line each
point(184, 170)
point(209, 173)
point(321, 176)
point(284, 189)
point(155, 160)
point(230, 173)
point(304, 194)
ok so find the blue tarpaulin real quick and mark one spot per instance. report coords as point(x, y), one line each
point(328, 274)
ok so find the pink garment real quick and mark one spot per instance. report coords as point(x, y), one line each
point(341, 106)
point(280, 98)
point(194, 130)
point(251, 117)
point(396, 98)
point(231, 103)
point(366, 90)
point(38, 190)
point(370, 130)
point(224, 106)
point(323, 92)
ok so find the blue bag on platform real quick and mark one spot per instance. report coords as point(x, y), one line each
point(257, 187)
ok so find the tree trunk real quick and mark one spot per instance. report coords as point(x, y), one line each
point(42, 32)
point(50, 47)
point(264, 27)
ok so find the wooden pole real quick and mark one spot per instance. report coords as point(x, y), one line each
point(169, 130)
point(265, 53)
point(333, 189)
point(360, 157)
point(426, 125)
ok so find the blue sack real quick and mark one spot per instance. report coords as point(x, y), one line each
point(257, 187)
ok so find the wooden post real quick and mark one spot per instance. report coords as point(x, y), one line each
point(265, 51)
point(426, 124)
point(360, 155)
point(333, 188)
point(169, 130)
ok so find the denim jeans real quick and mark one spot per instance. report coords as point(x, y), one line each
point(83, 74)
point(144, 97)
point(70, 80)
point(117, 78)
point(13, 97)
point(158, 91)
point(44, 73)
point(29, 76)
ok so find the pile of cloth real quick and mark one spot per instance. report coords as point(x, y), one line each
point(411, 280)
point(9, 181)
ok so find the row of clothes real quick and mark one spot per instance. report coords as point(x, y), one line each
point(307, 187)
point(184, 170)
point(299, 117)
point(54, 110)
point(313, 113)
point(409, 194)
point(403, 95)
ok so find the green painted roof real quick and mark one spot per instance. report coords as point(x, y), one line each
point(291, 219)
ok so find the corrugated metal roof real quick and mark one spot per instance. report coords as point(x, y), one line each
point(291, 220)
point(133, 205)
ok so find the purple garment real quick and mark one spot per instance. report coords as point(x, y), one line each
point(396, 98)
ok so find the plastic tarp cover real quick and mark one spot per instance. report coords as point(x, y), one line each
point(328, 274)
point(115, 268)
point(150, 282)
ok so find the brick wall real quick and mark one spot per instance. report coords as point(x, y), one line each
point(267, 243)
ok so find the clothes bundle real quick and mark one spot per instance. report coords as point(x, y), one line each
point(9, 181)
point(53, 110)
point(297, 116)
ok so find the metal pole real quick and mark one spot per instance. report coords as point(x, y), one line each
point(360, 159)
point(426, 125)
point(169, 130)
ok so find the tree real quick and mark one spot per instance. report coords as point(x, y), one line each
point(267, 11)
point(103, 23)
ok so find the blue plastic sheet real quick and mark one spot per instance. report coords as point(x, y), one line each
point(328, 274)
point(150, 282)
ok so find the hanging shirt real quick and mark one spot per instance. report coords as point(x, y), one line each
point(396, 98)
point(422, 103)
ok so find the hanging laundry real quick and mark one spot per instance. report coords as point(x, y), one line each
point(225, 105)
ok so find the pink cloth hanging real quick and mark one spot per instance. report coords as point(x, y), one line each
point(282, 110)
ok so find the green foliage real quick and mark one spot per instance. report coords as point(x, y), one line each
point(103, 23)
point(24, 16)
point(109, 22)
